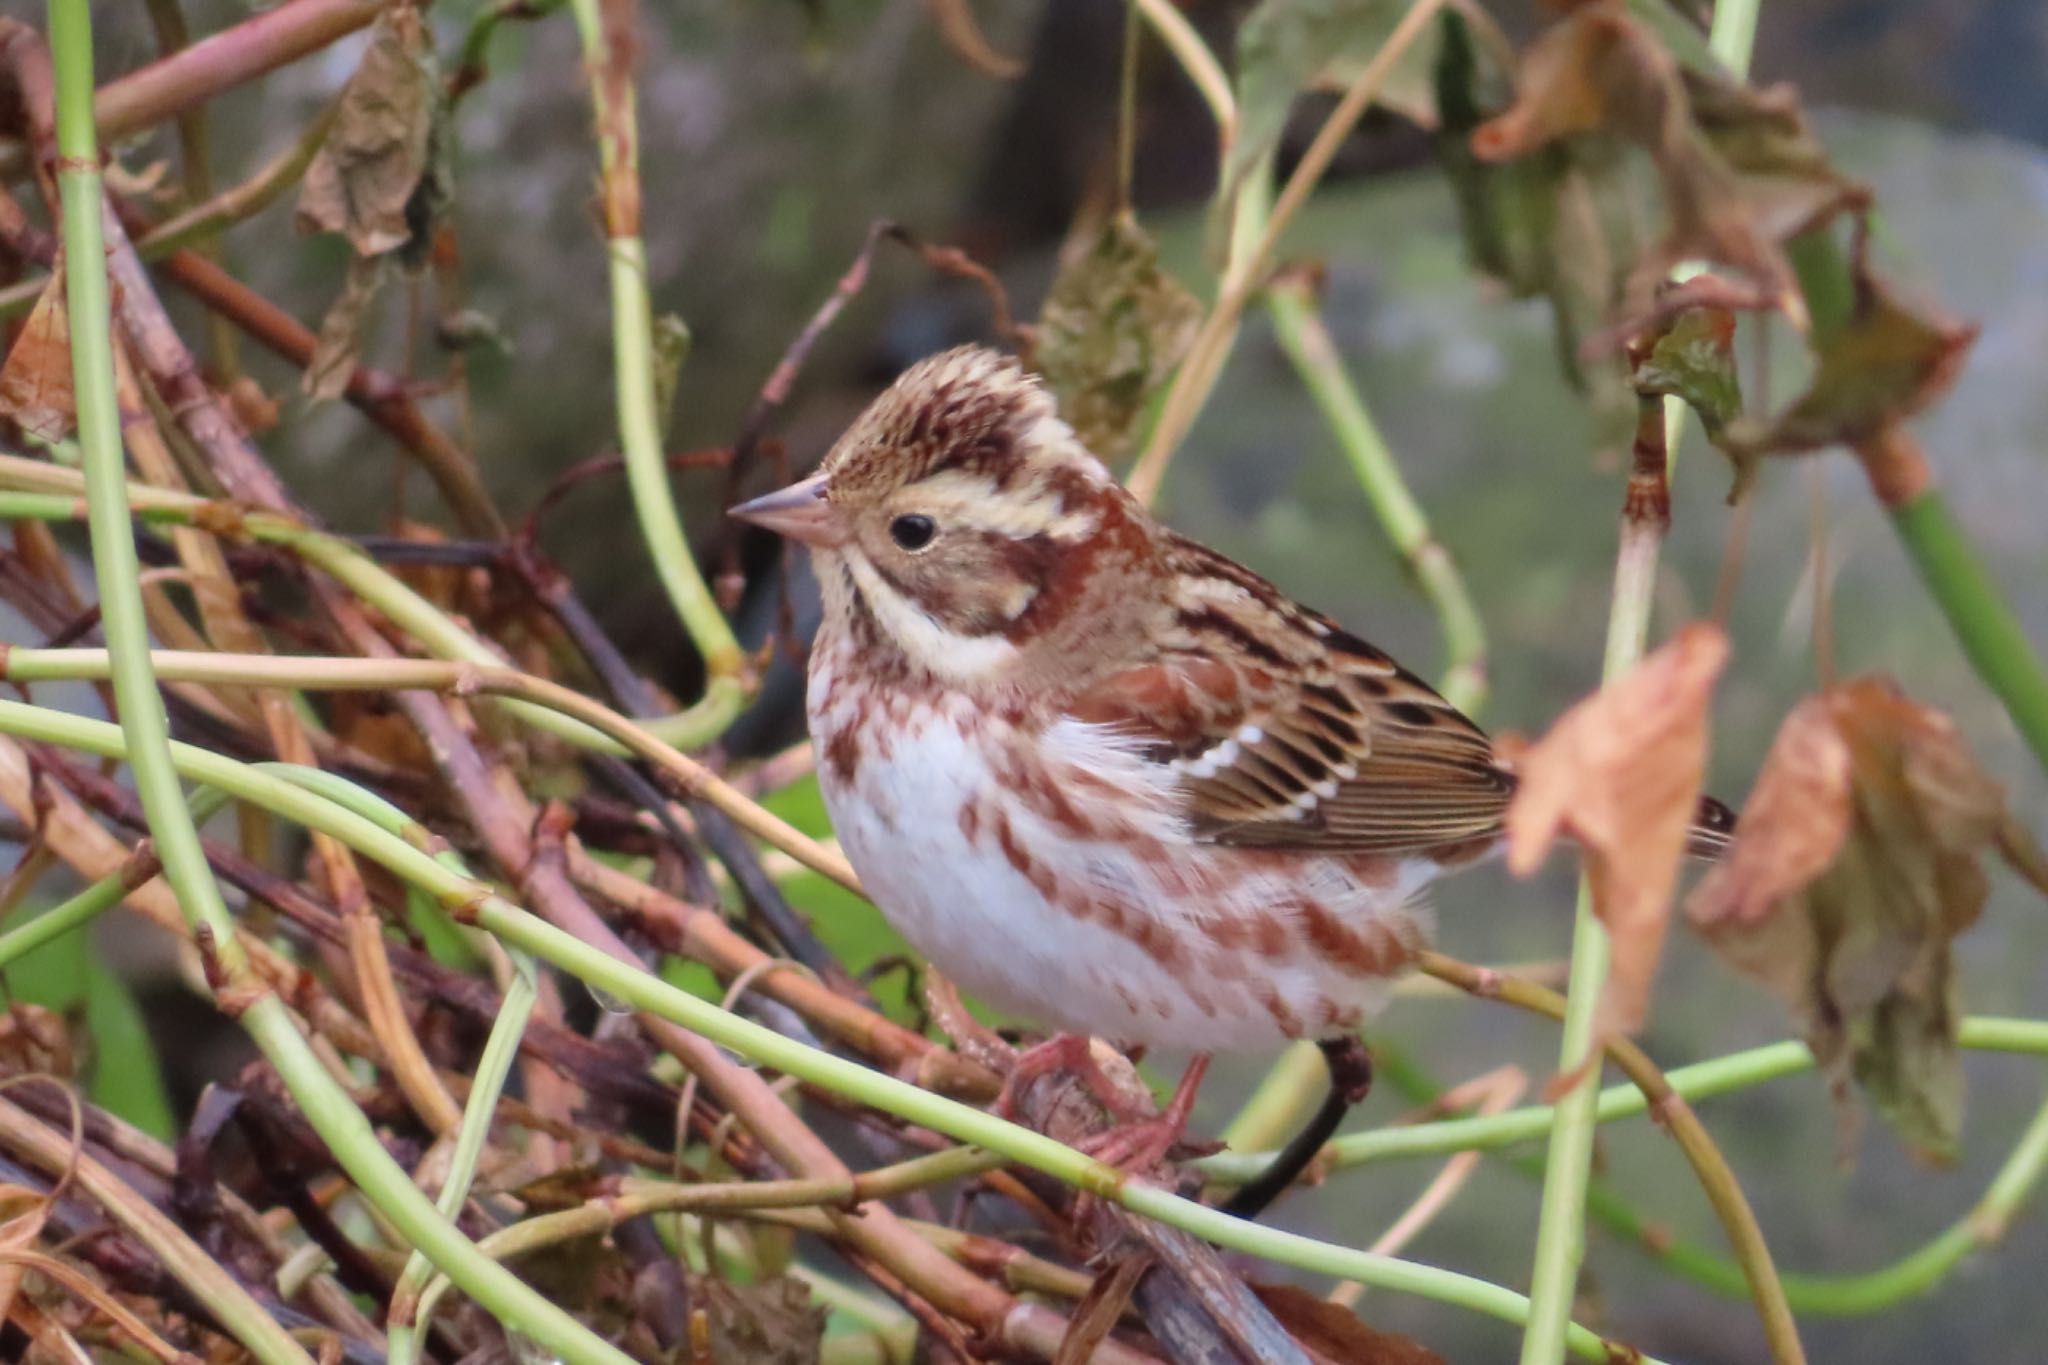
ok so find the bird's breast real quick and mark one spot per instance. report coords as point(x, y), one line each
point(1045, 867)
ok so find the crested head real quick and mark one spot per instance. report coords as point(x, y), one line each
point(959, 521)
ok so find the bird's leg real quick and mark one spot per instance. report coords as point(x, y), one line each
point(1140, 1144)
point(1350, 1081)
point(1063, 1052)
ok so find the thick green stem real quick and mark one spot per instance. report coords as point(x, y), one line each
point(608, 57)
point(1978, 613)
point(1560, 1228)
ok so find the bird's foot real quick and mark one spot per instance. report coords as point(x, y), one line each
point(1141, 1143)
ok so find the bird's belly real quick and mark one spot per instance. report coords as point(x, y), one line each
point(1131, 938)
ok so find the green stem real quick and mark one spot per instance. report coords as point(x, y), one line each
point(1560, 1228)
point(613, 102)
point(1978, 613)
point(143, 737)
point(47, 493)
point(1308, 344)
point(501, 1050)
point(81, 909)
point(343, 1125)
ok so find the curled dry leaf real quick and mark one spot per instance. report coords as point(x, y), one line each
point(1620, 774)
point(340, 341)
point(367, 179)
point(35, 383)
point(1739, 172)
point(1114, 326)
point(1874, 368)
point(1332, 1334)
point(1855, 866)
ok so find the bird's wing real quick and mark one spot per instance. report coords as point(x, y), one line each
point(1309, 738)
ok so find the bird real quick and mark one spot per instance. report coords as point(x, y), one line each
point(1100, 775)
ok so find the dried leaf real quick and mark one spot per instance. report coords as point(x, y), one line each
point(376, 178)
point(1114, 326)
point(341, 332)
point(1287, 46)
point(1694, 359)
point(1854, 867)
point(35, 383)
point(769, 1322)
point(253, 408)
point(18, 1232)
point(1739, 172)
point(1620, 773)
point(1882, 365)
point(1102, 1307)
point(1332, 1334)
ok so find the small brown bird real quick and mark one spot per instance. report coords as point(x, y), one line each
point(1099, 775)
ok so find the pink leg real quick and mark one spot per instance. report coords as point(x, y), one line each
point(1142, 1144)
point(1061, 1052)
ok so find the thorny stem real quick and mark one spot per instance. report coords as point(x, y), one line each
point(1308, 344)
point(607, 28)
point(344, 1127)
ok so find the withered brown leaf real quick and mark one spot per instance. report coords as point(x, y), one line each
point(1738, 171)
point(1113, 328)
point(1620, 773)
point(366, 178)
point(35, 383)
point(1882, 364)
point(340, 341)
point(1332, 1334)
point(1855, 865)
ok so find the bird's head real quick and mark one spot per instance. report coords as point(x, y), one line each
point(961, 520)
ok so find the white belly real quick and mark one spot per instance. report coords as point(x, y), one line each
point(995, 909)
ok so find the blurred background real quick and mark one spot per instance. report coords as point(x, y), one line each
point(774, 133)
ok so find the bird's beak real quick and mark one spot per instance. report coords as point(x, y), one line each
point(799, 511)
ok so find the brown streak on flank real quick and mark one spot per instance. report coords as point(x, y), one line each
point(1286, 1019)
point(1041, 878)
point(1159, 943)
point(970, 822)
point(843, 752)
point(1271, 935)
point(1342, 946)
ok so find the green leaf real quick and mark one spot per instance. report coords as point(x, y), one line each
point(123, 1074)
point(1695, 360)
point(1286, 47)
point(1113, 328)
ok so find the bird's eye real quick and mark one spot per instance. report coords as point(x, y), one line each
point(913, 532)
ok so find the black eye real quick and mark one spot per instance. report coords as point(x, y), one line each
point(913, 532)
